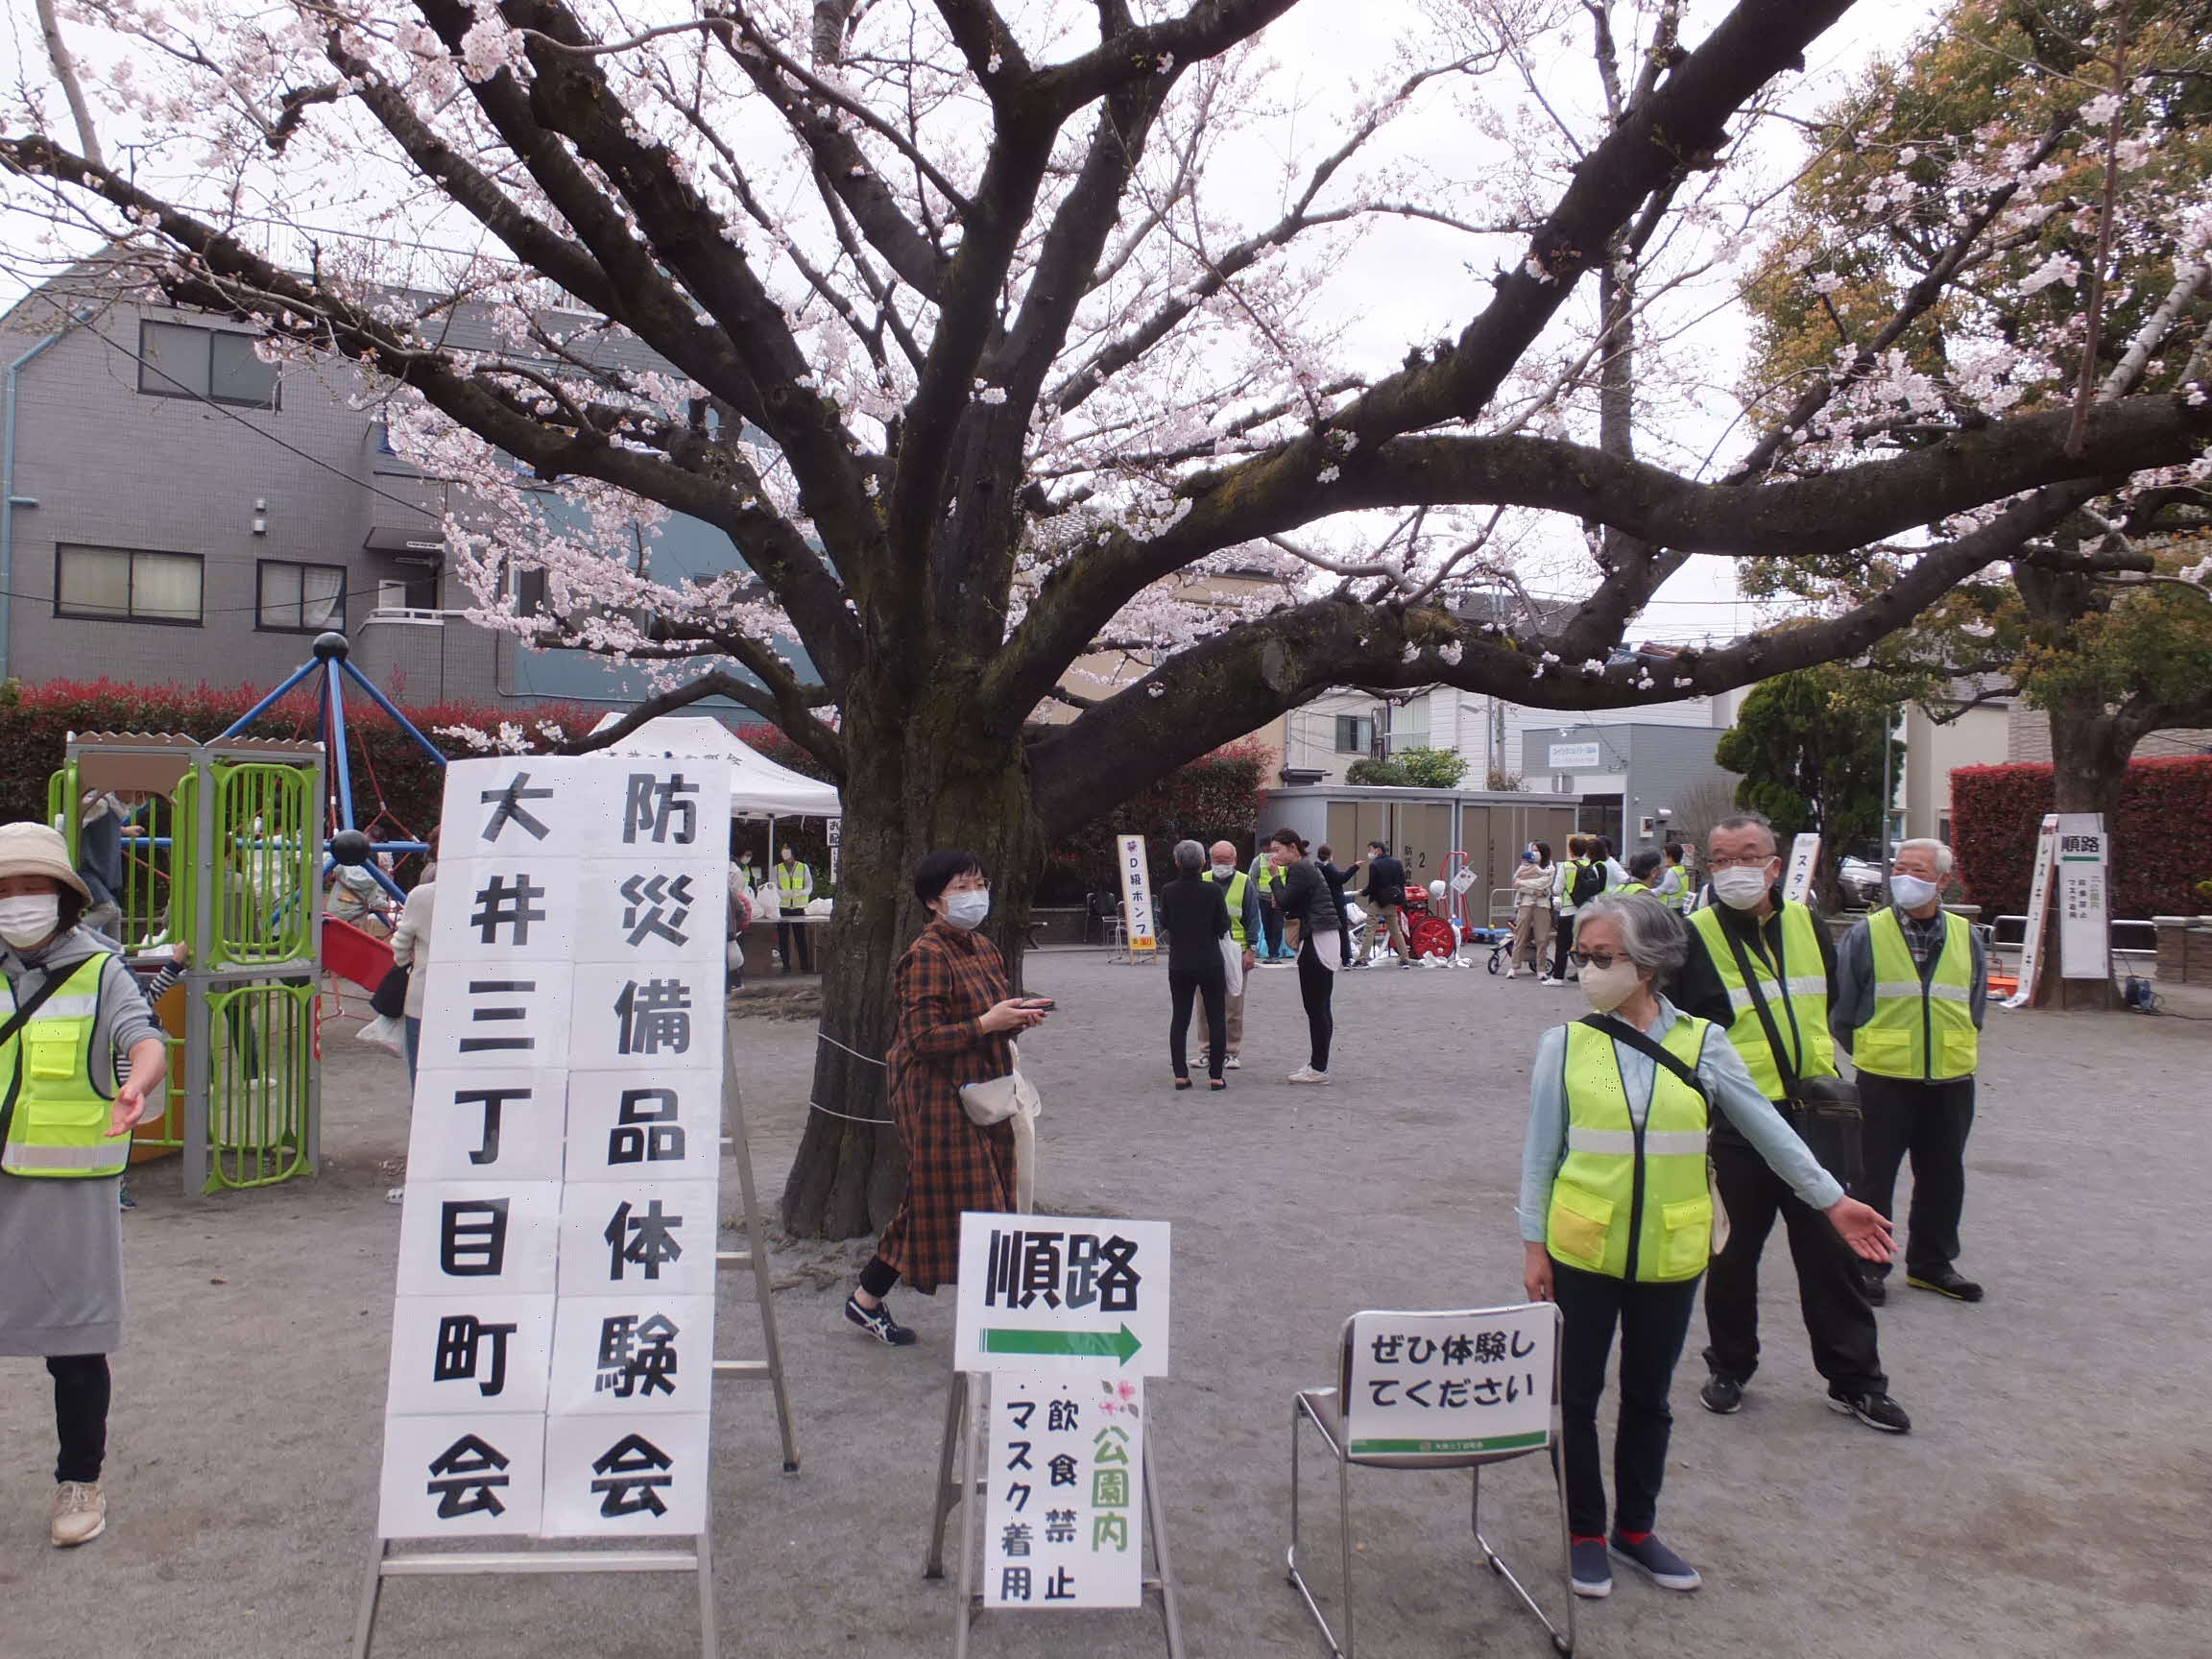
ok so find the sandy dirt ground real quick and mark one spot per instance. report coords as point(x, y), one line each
point(2051, 1500)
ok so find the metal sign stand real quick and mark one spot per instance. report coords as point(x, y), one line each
point(963, 1409)
point(383, 1564)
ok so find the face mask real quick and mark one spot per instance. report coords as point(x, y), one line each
point(30, 920)
point(1741, 887)
point(1911, 892)
point(966, 910)
point(1223, 872)
point(1607, 988)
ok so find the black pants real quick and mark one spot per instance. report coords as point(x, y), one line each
point(81, 1391)
point(1316, 984)
point(794, 933)
point(1184, 985)
point(1561, 967)
point(1653, 1320)
point(878, 1277)
point(1837, 1317)
point(1270, 930)
point(1929, 1121)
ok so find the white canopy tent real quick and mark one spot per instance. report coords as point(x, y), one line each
point(759, 787)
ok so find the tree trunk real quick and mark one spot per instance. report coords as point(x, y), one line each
point(2091, 747)
point(931, 779)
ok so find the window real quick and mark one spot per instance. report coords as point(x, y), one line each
point(123, 585)
point(179, 361)
point(300, 598)
point(1355, 734)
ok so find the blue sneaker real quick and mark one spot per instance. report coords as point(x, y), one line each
point(1656, 1562)
point(1589, 1573)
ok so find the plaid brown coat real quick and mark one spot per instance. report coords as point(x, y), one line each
point(947, 981)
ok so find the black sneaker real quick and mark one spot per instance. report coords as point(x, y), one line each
point(1656, 1562)
point(1722, 1395)
point(1945, 1280)
point(877, 1322)
point(1589, 1573)
point(1875, 1410)
point(1875, 1289)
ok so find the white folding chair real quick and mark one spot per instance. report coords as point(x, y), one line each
point(1352, 1441)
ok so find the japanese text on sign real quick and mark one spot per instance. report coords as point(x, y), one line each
point(1065, 1510)
point(1135, 893)
point(1432, 1384)
point(553, 1339)
point(1064, 1294)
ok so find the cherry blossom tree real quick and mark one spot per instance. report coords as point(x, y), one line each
point(996, 335)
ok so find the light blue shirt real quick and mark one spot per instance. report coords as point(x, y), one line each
point(1728, 1085)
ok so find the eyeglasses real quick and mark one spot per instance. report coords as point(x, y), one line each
point(1598, 960)
point(1742, 862)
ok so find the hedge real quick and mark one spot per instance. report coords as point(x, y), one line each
point(397, 788)
point(2161, 835)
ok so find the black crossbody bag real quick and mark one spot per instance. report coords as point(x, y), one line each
point(1824, 1111)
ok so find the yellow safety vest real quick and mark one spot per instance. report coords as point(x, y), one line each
point(1270, 878)
point(58, 1114)
point(1920, 1029)
point(1629, 1202)
point(1632, 887)
point(1233, 895)
point(1797, 1001)
point(792, 880)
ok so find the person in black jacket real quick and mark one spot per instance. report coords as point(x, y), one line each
point(1337, 879)
point(1197, 920)
point(1385, 895)
point(1306, 902)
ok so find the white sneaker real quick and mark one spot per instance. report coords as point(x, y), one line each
point(1230, 1063)
point(1307, 1074)
point(1551, 981)
point(80, 1513)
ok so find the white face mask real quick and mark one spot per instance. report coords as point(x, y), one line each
point(1223, 872)
point(966, 910)
point(1607, 988)
point(1742, 886)
point(30, 920)
point(1911, 892)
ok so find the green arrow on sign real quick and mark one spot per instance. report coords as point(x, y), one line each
point(1076, 1344)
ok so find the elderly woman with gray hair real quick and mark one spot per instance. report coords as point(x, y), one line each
point(1196, 918)
point(1617, 1216)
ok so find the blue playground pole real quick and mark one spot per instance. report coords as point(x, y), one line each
point(239, 724)
point(334, 743)
point(385, 703)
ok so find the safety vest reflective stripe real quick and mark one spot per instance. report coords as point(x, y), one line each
point(1920, 1029)
point(59, 1127)
point(1622, 1142)
point(1798, 1000)
point(1646, 1213)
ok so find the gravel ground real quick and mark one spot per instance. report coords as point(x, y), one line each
point(2048, 1501)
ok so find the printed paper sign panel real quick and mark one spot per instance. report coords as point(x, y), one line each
point(644, 1354)
point(1064, 1514)
point(2085, 914)
point(607, 1479)
point(650, 908)
point(1069, 1296)
point(474, 1477)
point(644, 1124)
point(1427, 1384)
point(1804, 859)
point(531, 806)
point(487, 1125)
point(458, 1355)
point(1137, 892)
point(623, 1239)
point(479, 1237)
point(2038, 912)
point(499, 909)
point(667, 1016)
point(496, 1016)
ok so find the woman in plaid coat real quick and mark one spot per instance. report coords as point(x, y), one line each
point(957, 1024)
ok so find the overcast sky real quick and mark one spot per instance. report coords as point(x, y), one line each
point(1415, 284)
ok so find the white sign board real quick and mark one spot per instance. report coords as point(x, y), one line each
point(1064, 1516)
point(552, 1344)
point(1572, 758)
point(1462, 882)
point(1137, 893)
point(1063, 1295)
point(2038, 913)
point(1427, 1384)
point(1804, 860)
point(2084, 910)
